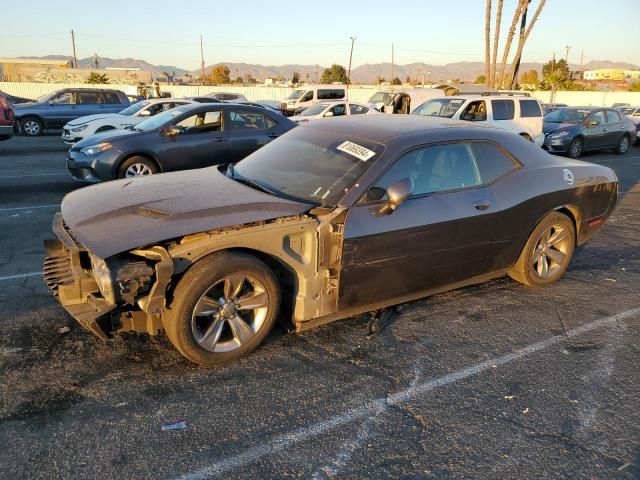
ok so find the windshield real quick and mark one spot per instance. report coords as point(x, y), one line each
point(45, 98)
point(567, 115)
point(439, 107)
point(382, 97)
point(135, 108)
point(295, 95)
point(314, 110)
point(159, 120)
point(309, 165)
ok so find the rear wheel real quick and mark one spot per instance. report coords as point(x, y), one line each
point(31, 126)
point(623, 146)
point(137, 167)
point(547, 254)
point(576, 147)
point(223, 308)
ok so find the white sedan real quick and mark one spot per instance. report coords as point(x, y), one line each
point(84, 127)
point(333, 109)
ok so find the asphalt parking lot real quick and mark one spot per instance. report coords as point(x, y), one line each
point(491, 381)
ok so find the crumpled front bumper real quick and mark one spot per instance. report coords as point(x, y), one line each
point(67, 273)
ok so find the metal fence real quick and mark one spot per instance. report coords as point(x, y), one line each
point(272, 93)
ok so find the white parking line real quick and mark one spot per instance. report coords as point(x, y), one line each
point(20, 276)
point(35, 175)
point(377, 406)
point(28, 208)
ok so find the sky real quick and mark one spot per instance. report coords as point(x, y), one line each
point(277, 32)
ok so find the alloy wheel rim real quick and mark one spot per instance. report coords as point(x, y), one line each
point(624, 144)
point(31, 127)
point(230, 313)
point(576, 148)
point(138, 170)
point(550, 253)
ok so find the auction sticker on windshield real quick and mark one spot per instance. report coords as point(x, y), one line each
point(356, 150)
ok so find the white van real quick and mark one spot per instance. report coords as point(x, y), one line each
point(304, 97)
point(516, 113)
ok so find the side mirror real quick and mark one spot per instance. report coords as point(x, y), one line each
point(145, 113)
point(397, 193)
point(328, 114)
point(592, 123)
point(172, 131)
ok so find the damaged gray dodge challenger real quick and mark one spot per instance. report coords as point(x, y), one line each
point(329, 221)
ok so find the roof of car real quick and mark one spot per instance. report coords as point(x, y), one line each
point(380, 128)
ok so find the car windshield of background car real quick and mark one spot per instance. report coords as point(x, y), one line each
point(445, 108)
point(309, 165)
point(567, 115)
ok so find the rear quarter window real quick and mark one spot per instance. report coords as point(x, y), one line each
point(530, 108)
point(492, 163)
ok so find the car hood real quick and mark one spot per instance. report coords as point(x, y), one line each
point(549, 127)
point(108, 136)
point(91, 118)
point(121, 215)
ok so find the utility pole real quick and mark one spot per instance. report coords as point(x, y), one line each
point(201, 62)
point(392, 72)
point(566, 57)
point(73, 43)
point(353, 39)
point(95, 61)
point(316, 72)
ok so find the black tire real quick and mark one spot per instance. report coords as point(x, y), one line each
point(138, 164)
point(105, 128)
point(31, 126)
point(576, 148)
point(526, 136)
point(206, 276)
point(529, 271)
point(623, 145)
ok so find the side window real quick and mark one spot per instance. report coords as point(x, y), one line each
point(475, 112)
point(338, 110)
point(245, 119)
point(62, 99)
point(202, 122)
point(307, 97)
point(337, 94)
point(110, 98)
point(502, 109)
point(432, 169)
point(613, 116)
point(598, 117)
point(491, 162)
point(325, 94)
point(357, 109)
point(529, 108)
point(88, 98)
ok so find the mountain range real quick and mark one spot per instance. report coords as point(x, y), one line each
point(367, 73)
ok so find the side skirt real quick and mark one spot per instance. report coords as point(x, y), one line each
point(351, 312)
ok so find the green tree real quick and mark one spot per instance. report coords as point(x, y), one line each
point(220, 74)
point(529, 78)
point(480, 79)
point(396, 81)
point(97, 78)
point(335, 73)
point(295, 78)
point(635, 87)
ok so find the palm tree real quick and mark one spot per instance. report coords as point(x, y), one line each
point(496, 37)
point(521, 42)
point(487, 40)
point(505, 54)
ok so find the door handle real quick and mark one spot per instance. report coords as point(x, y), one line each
point(482, 204)
point(218, 140)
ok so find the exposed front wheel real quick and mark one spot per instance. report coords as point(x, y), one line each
point(31, 127)
point(137, 167)
point(547, 253)
point(576, 147)
point(223, 308)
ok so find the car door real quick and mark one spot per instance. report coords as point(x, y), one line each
point(88, 103)
point(59, 109)
point(110, 102)
point(199, 142)
point(503, 114)
point(247, 130)
point(614, 129)
point(439, 236)
point(594, 131)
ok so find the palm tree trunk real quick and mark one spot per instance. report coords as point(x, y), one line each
point(507, 46)
point(496, 37)
point(523, 40)
point(487, 42)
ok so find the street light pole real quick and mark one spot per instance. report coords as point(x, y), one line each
point(353, 39)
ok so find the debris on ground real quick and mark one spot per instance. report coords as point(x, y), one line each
point(174, 426)
point(508, 397)
point(526, 410)
point(63, 330)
